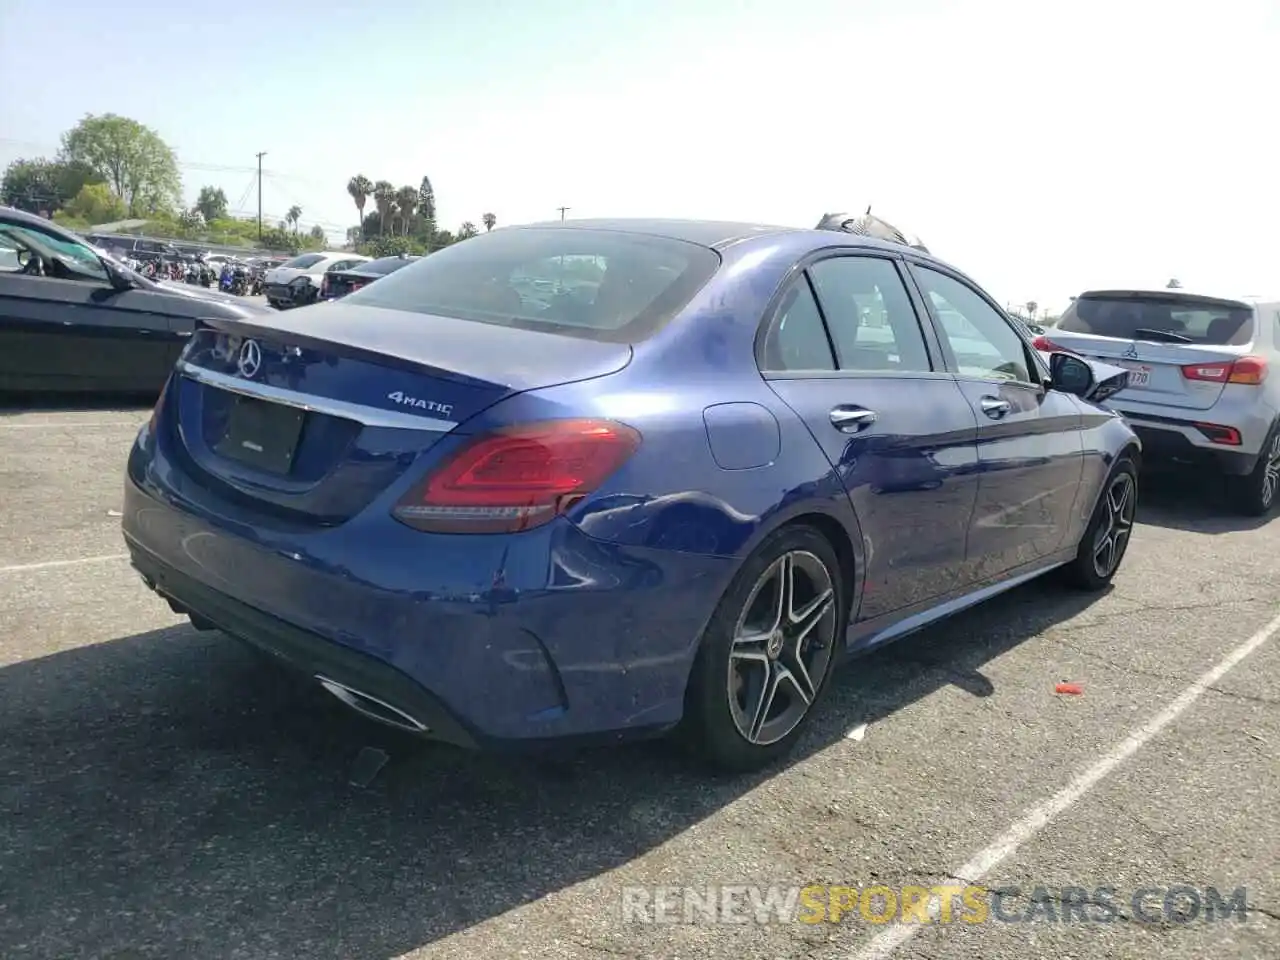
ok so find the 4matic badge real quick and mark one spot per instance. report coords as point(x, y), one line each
point(404, 400)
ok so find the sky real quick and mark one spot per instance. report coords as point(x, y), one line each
point(1042, 147)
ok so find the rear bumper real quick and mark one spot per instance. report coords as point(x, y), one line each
point(305, 651)
point(1169, 440)
point(500, 642)
point(290, 295)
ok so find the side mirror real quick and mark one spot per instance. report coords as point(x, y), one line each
point(118, 280)
point(1070, 374)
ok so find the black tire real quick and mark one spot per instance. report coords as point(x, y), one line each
point(1111, 518)
point(1255, 493)
point(731, 677)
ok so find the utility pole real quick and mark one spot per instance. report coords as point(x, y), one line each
point(562, 210)
point(260, 156)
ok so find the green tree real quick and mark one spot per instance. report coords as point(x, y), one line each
point(467, 231)
point(384, 197)
point(94, 204)
point(406, 203)
point(489, 221)
point(293, 216)
point(139, 166)
point(212, 204)
point(427, 201)
point(317, 233)
point(359, 187)
point(40, 184)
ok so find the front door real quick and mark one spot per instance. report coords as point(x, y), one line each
point(1029, 441)
point(848, 354)
point(68, 328)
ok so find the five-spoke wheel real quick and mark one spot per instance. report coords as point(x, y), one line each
point(1117, 506)
point(783, 639)
point(767, 653)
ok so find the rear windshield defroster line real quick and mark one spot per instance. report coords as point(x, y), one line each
point(601, 285)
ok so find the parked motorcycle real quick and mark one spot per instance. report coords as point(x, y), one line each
point(240, 279)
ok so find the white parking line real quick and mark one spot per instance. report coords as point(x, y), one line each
point(884, 944)
point(50, 564)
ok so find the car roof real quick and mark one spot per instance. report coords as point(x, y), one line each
point(716, 234)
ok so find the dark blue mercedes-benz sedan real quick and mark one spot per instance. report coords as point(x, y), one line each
point(598, 479)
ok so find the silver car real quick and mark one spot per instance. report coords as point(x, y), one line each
point(1200, 383)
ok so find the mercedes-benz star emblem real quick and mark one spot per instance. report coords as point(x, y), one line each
point(250, 359)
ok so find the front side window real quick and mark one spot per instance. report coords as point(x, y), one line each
point(36, 253)
point(985, 345)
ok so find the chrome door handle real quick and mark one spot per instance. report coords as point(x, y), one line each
point(994, 407)
point(852, 419)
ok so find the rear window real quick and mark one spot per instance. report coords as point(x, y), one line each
point(595, 284)
point(304, 261)
point(1163, 318)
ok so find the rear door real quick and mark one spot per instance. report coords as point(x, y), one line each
point(1178, 347)
point(847, 352)
point(1030, 447)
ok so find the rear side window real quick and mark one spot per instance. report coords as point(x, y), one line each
point(1164, 318)
point(304, 261)
point(870, 315)
point(594, 284)
point(797, 340)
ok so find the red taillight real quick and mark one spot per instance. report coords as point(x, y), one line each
point(1247, 370)
point(1217, 433)
point(1046, 345)
point(518, 477)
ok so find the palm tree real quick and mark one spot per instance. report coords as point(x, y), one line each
point(407, 201)
point(489, 221)
point(384, 195)
point(293, 216)
point(360, 187)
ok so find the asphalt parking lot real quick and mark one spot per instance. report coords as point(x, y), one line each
point(163, 793)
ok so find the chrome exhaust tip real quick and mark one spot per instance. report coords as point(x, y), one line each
point(371, 707)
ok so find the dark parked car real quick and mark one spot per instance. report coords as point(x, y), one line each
point(338, 283)
point(72, 319)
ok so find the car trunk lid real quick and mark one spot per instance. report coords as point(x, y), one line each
point(310, 419)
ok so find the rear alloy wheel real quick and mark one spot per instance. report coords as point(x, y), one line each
point(1107, 537)
point(768, 652)
point(1254, 494)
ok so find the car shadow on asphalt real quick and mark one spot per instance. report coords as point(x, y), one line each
point(13, 404)
point(171, 794)
point(1192, 502)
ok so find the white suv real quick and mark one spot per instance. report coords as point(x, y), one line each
point(1201, 384)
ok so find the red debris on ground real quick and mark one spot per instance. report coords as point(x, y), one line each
point(1072, 688)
